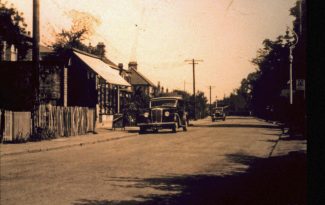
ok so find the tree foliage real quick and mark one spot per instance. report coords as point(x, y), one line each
point(139, 101)
point(261, 90)
point(201, 103)
point(82, 28)
point(13, 28)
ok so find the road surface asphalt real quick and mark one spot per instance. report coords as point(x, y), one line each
point(242, 160)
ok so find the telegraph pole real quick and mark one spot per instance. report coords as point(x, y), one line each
point(35, 57)
point(210, 87)
point(193, 62)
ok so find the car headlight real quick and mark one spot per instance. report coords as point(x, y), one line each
point(146, 114)
point(167, 114)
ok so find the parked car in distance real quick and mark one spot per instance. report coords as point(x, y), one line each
point(218, 113)
point(163, 113)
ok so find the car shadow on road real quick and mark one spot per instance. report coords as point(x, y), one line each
point(162, 132)
point(294, 138)
point(237, 126)
point(268, 181)
point(133, 131)
point(165, 131)
point(239, 118)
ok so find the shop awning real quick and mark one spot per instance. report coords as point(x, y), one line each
point(105, 71)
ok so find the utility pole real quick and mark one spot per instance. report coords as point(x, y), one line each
point(216, 101)
point(193, 62)
point(210, 87)
point(35, 57)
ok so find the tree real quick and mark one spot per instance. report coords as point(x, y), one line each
point(201, 102)
point(272, 67)
point(13, 29)
point(139, 101)
point(82, 28)
point(202, 105)
point(187, 101)
point(262, 89)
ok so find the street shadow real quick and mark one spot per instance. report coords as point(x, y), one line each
point(150, 132)
point(272, 141)
point(162, 132)
point(268, 181)
point(238, 126)
point(237, 118)
point(293, 138)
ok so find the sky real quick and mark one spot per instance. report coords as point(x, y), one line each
point(161, 34)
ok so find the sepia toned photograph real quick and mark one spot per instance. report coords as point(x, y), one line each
point(153, 102)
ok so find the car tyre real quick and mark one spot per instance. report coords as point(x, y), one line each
point(174, 128)
point(142, 130)
point(185, 125)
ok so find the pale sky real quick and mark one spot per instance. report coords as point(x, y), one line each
point(171, 31)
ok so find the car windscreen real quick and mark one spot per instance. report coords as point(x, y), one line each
point(163, 103)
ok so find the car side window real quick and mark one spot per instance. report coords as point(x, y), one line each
point(181, 105)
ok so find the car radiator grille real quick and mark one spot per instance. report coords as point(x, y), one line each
point(156, 115)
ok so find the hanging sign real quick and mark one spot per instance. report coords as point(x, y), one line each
point(300, 84)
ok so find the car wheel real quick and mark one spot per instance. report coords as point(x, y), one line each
point(184, 123)
point(174, 128)
point(142, 130)
point(185, 126)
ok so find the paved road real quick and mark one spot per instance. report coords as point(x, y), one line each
point(208, 164)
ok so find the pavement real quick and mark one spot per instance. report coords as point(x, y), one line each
point(284, 145)
point(103, 135)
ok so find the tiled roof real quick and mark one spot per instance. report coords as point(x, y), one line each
point(143, 77)
point(104, 70)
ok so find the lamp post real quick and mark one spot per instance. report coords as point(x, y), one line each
point(291, 44)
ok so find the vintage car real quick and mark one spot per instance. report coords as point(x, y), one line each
point(218, 113)
point(163, 113)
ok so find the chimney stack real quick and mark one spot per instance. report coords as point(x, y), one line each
point(120, 67)
point(133, 64)
point(101, 49)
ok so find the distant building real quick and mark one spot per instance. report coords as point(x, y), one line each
point(10, 51)
point(139, 81)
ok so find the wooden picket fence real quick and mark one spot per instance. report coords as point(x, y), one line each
point(66, 121)
point(17, 126)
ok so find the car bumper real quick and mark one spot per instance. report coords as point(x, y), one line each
point(217, 117)
point(156, 125)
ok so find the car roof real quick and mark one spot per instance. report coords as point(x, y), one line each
point(168, 98)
